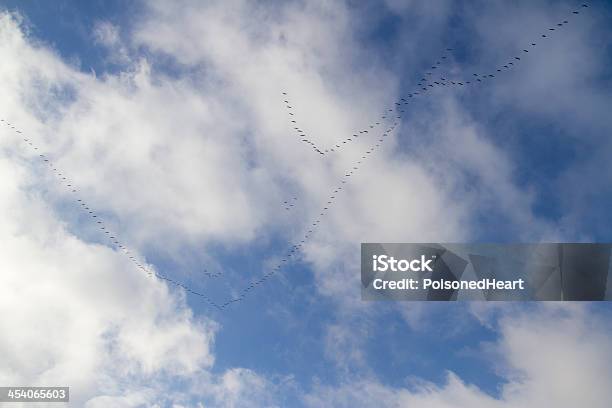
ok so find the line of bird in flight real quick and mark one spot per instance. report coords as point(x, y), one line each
point(423, 88)
point(97, 219)
point(294, 250)
point(424, 85)
point(209, 274)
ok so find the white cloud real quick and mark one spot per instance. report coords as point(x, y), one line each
point(241, 388)
point(205, 155)
point(77, 312)
point(106, 33)
point(554, 356)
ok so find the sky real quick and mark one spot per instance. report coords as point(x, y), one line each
point(167, 118)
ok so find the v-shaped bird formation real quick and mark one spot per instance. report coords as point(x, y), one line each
point(393, 116)
point(388, 115)
point(425, 86)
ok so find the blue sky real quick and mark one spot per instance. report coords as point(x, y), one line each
point(169, 118)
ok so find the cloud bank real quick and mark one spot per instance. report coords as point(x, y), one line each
point(186, 148)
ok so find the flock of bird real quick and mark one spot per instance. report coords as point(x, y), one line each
point(95, 217)
point(337, 146)
point(423, 87)
point(209, 274)
point(289, 204)
point(294, 250)
point(396, 113)
point(114, 241)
